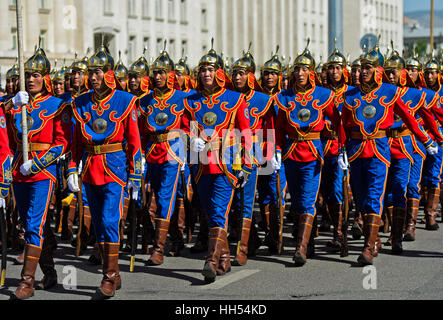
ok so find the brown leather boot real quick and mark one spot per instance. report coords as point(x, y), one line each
point(161, 232)
point(176, 228)
point(111, 272)
point(242, 251)
point(264, 214)
point(370, 231)
point(411, 219)
point(86, 230)
point(21, 258)
point(398, 221)
point(68, 221)
point(303, 236)
point(224, 264)
point(215, 247)
point(389, 211)
point(337, 221)
point(96, 256)
point(357, 226)
point(148, 232)
point(431, 209)
point(122, 225)
point(25, 289)
point(201, 243)
point(46, 261)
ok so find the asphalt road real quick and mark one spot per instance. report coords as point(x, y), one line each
point(417, 274)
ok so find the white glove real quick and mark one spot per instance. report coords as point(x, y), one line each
point(134, 194)
point(11, 160)
point(241, 175)
point(73, 183)
point(343, 162)
point(182, 168)
point(432, 149)
point(276, 162)
point(143, 165)
point(63, 157)
point(80, 167)
point(2, 203)
point(198, 145)
point(21, 99)
point(25, 168)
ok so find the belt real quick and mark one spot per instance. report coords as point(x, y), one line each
point(330, 135)
point(34, 147)
point(360, 136)
point(398, 133)
point(307, 137)
point(159, 138)
point(103, 149)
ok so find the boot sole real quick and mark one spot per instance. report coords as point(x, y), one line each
point(298, 260)
point(432, 228)
point(14, 297)
point(363, 260)
point(408, 238)
point(208, 274)
point(356, 233)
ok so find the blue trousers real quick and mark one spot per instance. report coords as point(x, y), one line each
point(304, 183)
point(187, 181)
point(249, 195)
point(106, 206)
point(164, 179)
point(432, 170)
point(215, 194)
point(332, 181)
point(368, 181)
point(397, 184)
point(267, 187)
point(33, 200)
point(415, 177)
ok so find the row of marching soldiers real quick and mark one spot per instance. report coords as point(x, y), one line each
point(157, 138)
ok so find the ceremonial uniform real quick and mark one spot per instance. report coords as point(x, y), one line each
point(261, 117)
point(298, 129)
point(5, 158)
point(216, 114)
point(107, 141)
point(368, 112)
point(49, 136)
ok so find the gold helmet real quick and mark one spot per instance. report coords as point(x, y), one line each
point(433, 64)
point(274, 64)
point(181, 66)
point(102, 59)
point(246, 62)
point(163, 61)
point(305, 59)
point(80, 65)
point(374, 57)
point(13, 72)
point(320, 67)
point(121, 72)
point(336, 57)
point(38, 62)
point(212, 58)
point(140, 67)
point(395, 61)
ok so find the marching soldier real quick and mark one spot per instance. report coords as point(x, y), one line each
point(401, 146)
point(368, 112)
point(261, 117)
point(217, 112)
point(332, 176)
point(122, 74)
point(298, 129)
point(161, 113)
point(58, 82)
point(49, 135)
point(433, 163)
point(355, 72)
point(106, 119)
point(271, 83)
point(5, 159)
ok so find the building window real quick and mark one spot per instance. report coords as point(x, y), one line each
point(131, 48)
point(159, 45)
point(305, 5)
point(171, 10)
point(146, 43)
point(107, 7)
point(158, 10)
point(183, 11)
point(321, 34)
point(313, 6)
point(184, 48)
point(43, 39)
point(14, 38)
point(131, 8)
point(172, 47)
point(204, 16)
point(43, 4)
point(145, 9)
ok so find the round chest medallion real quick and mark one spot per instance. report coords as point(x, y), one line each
point(161, 119)
point(304, 115)
point(99, 126)
point(209, 119)
point(369, 112)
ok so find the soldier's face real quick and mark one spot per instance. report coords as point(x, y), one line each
point(285, 83)
point(431, 77)
point(59, 88)
point(134, 82)
point(335, 73)
point(393, 76)
point(367, 73)
point(76, 78)
point(413, 73)
point(270, 79)
point(9, 86)
point(96, 78)
point(160, 78)
point(180, 79)
point(34, 83)
point(207, 77)
point(301, 75)
point(355, 74)
point(240, 79)
point(123, 83)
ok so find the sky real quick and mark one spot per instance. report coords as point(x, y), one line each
point(416, 5)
